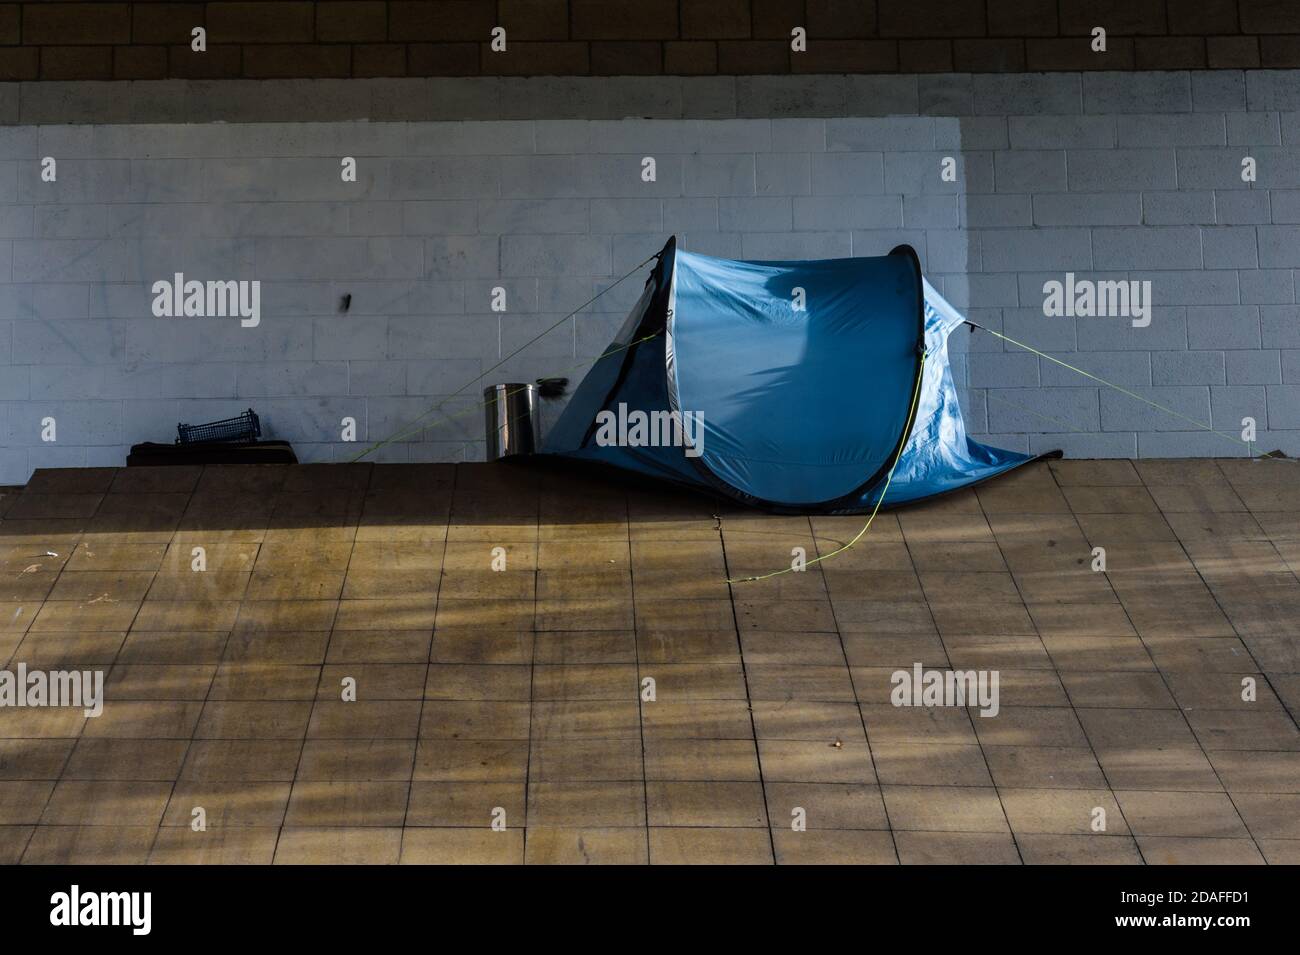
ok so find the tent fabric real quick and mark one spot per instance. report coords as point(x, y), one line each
point(807, 383)
point(939, 456)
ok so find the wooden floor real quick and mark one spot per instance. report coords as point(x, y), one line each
point(518, 695)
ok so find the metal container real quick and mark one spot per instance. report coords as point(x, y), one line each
point(514, 424)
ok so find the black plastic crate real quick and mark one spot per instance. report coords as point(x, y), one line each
point(246, 427)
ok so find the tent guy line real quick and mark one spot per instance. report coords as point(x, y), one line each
point(1037, 414)
point(557, 373)
point(1120, 389)
point(412, 428)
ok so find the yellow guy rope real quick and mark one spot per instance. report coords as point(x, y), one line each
point(916, 394)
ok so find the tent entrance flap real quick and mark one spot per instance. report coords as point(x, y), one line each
point(790, 385)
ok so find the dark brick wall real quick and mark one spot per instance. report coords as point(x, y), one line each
point(149, 39)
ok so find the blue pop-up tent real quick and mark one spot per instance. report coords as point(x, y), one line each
point(797, 386)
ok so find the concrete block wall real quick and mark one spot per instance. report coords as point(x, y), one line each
point(1138, 178)
point(1134, 177)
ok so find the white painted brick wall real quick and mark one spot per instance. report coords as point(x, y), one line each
point(1129, 177)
